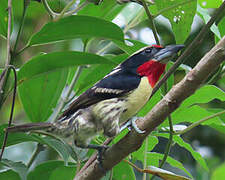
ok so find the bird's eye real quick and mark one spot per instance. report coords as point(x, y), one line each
point(149, 50)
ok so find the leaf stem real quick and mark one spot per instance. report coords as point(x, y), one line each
point(51, 13)
point(38, 149)
point(12, 108)
point(26, 4)
point(8, 55)
point(151, 20)
point(198, 123)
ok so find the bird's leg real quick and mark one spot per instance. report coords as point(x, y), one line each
point(101, 150)
point(132, 124)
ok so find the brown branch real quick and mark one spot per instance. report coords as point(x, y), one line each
point(133, 141)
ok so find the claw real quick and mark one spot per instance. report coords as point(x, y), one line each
point(101, 150)
point(128, 125)
point(134, 125)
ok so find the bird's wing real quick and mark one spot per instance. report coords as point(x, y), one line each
point(115, 84)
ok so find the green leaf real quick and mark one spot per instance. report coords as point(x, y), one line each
point(9, 175)
point(76, 27)
point(63, 149)
point(132, 48)
point(3, 18)
point(46, 63)
point(210, 3)
point(221, 26)
point(45, 170)
point(39, 95)
point(123, 171)
point(63, 172)
point(206, 17)
point(218, 173)
point(151, 142)
point(107, 10)
point(203, 95)
point(188, 147)
point(164, 174)
point(18, 167)
point(180, 17)
point(171, 161)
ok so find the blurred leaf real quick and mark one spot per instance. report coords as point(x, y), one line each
point(218, 173)
point(152, 141)
point(210, 3)
point(164, 174)
point(107, 10)
point(123, 171)
point(132, 48)
point(9, 175)
point(18, 167)
point(218, 127)
point(46, 170)
point(188, 147)
point(46, 63)
point(97, 72)
point(171, 161)
point(206, 17)
point(221, 26)
point(76, 27)
point(63, 149)
point(63, 172)
point(39, 95)
point(180, 17)
point(170, 80)
point(3, 18)
point(203, 95)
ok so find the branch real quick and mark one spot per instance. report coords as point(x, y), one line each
point(133, 141)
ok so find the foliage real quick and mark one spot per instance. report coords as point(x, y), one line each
point(51, 47)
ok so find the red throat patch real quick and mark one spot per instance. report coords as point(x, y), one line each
point(153, 70)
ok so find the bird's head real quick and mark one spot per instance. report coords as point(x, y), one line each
point(151, 61)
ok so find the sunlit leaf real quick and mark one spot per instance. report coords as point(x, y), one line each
point(218, 173)
point(76, 27)
point(123, 171)
point(210, 3)
point(180, 17)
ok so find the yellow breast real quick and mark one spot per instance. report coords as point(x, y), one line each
point(137, 99)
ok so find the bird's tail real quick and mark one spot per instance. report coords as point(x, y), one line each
point(30, 127)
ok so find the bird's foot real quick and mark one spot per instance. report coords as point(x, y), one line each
point(101, 150)
point(132, 124)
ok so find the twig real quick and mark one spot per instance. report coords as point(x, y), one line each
point(26, 4)
point(198, 123)
point(189, 50)
point(151, 20)
point(12, 109)
point(38, 149)
point(8, 55)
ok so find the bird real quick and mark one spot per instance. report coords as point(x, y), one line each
point(111, 101)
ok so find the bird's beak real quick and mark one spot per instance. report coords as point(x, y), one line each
point(165, 54)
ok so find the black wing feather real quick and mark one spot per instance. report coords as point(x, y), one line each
point(114, 85)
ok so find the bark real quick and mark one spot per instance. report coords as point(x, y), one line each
point(133, 141)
